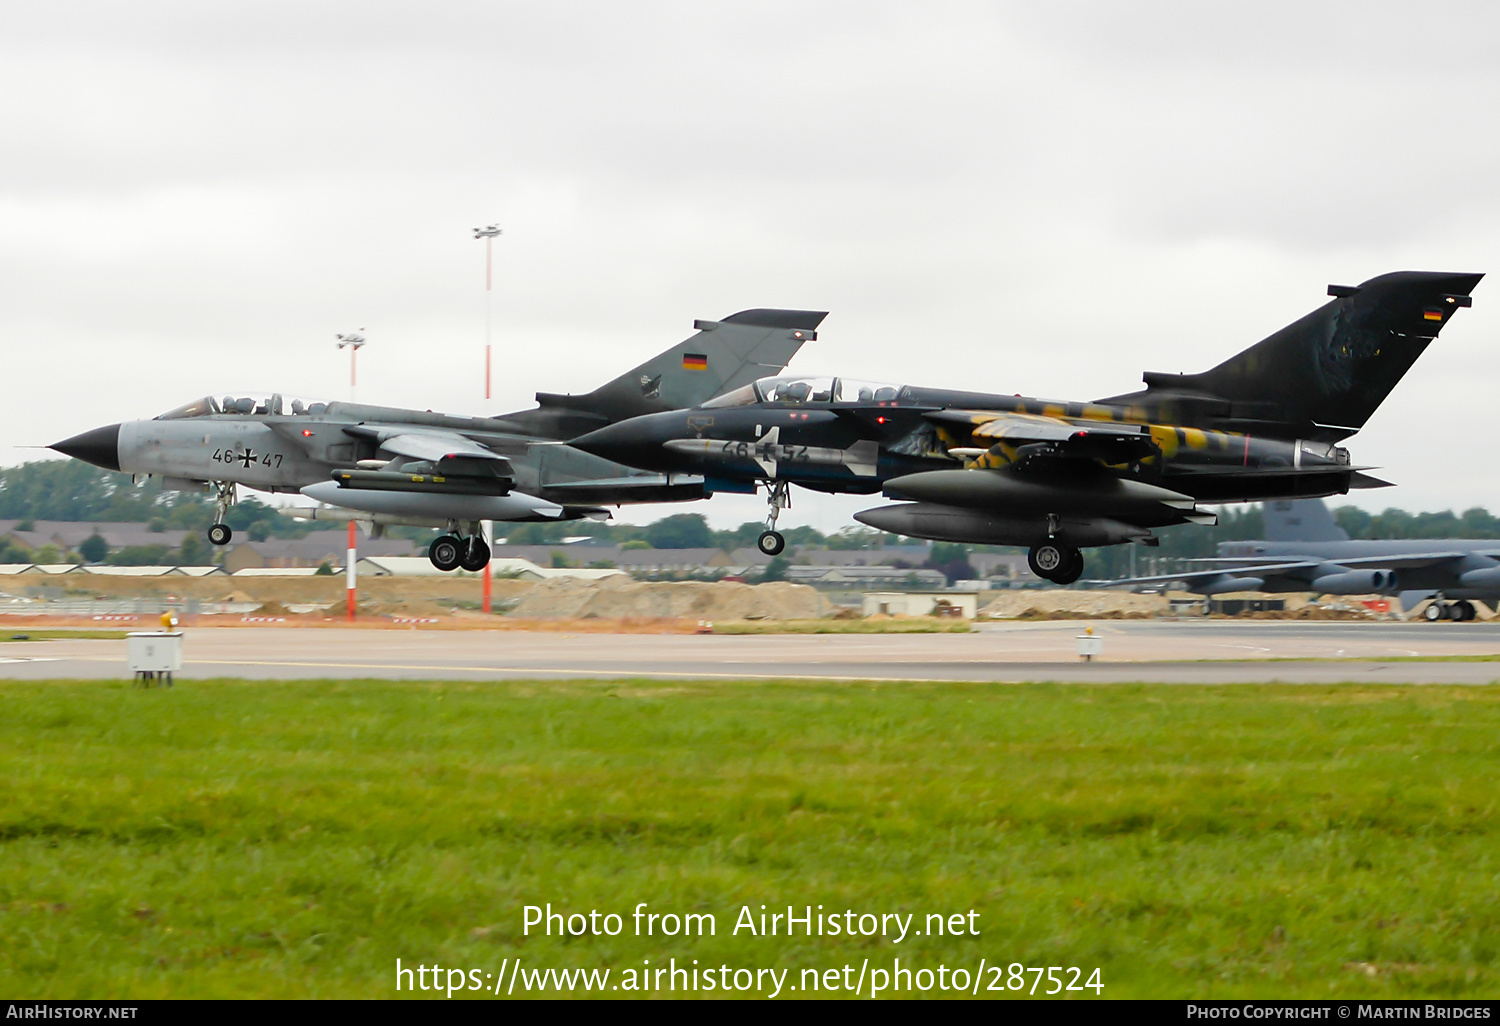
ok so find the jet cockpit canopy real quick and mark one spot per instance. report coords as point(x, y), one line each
point(817, 389)
point(273, 406)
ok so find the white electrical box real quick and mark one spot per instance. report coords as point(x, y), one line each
point(153, 653)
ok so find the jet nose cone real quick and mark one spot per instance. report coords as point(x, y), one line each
point(615, 442)
point(101, 447)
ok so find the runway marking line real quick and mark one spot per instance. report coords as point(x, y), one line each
point(705, 675)
point(537, 669)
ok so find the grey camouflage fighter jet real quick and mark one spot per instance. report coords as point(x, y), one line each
point(1060, 476)
point(387, 465)
point(1305, 550)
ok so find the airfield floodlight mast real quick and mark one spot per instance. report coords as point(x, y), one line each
point(488, 234)
point(353, 340)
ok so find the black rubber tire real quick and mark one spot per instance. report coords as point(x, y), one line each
point(1434, 612)
point(446, 552)
point(1056, 561)
point(1073, 571)
point(477, 556)
point(771, 543)
point(220, 534)
point(1463, 610)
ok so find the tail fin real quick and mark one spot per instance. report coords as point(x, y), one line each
point(1301, 520)
point(1322, 376)
point(722, 356)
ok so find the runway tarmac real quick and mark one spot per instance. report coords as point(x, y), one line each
point(1204, 651)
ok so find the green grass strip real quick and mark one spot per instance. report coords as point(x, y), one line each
point(231, 838)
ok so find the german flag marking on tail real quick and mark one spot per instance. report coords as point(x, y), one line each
point(1432, 314)
point(696, 361)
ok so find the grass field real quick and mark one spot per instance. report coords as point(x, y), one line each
point(294, 839)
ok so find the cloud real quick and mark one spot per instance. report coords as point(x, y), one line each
point(1039, 198)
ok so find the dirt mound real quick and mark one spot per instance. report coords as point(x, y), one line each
point(1061, 603)
point(618, 597)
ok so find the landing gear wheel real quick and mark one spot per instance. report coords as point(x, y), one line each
point(476, 557)
point(1463, 611)
point(446, 552)
point(1056, 562)
point(771, 543)
point(1072, 572)
point(220, 534)
point(1435, 611)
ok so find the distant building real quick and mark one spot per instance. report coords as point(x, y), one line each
point(963, 604)
point(317, 548)
point(524, 569)
point(69, 534)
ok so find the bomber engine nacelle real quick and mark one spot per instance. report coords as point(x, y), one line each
point(1225, 585)
point(1487, 577)
point(1357, 582)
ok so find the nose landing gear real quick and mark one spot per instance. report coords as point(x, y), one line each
point(220, 532)
point(772, 542)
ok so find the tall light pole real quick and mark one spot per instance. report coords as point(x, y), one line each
point(488, 234)
point(353, 340)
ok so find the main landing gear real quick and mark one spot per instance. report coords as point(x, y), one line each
point(771, 542)
point(1055, 560)
point(220, 532)
point(452, 551)
point(1437, 610)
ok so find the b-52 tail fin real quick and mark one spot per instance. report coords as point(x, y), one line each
point(1321, 376)
point(721, 356)
point(1300, 520)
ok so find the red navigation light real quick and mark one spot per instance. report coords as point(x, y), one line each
point(306, 433)
point(880, 420)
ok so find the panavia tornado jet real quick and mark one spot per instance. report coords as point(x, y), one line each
point(1058, 476)
point(386, 465)
point(1305, 550)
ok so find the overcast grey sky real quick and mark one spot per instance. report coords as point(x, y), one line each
point(1038, 198)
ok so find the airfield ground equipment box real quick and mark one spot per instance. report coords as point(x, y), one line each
point(154, 656)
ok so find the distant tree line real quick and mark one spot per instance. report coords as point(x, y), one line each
point(73, 490)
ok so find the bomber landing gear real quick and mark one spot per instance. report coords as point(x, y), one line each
point(771, 542)
point(1456, 611)
point(220, 532)
point(1056, 561)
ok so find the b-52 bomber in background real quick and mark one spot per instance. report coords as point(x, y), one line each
point(386, 465)
point(1057, 477)
point(1305, 550)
